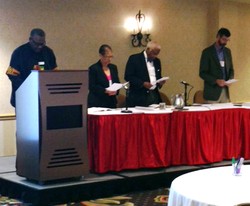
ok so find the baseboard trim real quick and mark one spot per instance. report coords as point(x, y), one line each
point(4, 117)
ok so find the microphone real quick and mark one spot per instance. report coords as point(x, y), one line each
point(185, 83)
point(126, 85)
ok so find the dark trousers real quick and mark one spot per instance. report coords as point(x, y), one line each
point(152, 97)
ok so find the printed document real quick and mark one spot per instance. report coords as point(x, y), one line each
point(230, 81)
point(116, 86)
point(160, 80)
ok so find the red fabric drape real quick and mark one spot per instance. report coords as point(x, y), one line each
point(118, 142)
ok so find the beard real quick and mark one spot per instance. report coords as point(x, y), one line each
point(222, 44)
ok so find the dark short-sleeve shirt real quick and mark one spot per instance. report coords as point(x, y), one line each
point(23, 59)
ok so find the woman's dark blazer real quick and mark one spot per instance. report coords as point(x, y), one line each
point(98, 82)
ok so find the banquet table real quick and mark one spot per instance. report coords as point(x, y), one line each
point(160, 138)
point(208, 187)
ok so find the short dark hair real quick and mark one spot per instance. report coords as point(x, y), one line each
point(102, 49)
point(223, 32)
point(37, 31)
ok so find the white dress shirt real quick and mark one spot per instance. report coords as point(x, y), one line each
point(151, 70)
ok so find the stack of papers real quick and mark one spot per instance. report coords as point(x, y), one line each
point(246, 104)
point(144, 108)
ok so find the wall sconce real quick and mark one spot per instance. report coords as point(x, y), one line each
point(140, 29)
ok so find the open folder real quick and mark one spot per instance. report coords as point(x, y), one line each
point(116, 86)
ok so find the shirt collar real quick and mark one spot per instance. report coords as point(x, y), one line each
point(219, 48)
point(146, 57)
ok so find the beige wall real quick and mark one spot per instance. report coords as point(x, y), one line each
point(238, 16)
point(76, 28)
point(7, 137)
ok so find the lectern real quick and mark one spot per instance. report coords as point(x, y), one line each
point(51, 116)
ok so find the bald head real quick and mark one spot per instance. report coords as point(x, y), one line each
point(153, 49)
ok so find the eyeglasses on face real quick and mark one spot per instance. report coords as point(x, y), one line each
point(224, 38)
point(108, 57)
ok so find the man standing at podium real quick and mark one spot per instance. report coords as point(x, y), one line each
point(34, 55)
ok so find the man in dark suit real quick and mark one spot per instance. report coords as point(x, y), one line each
point(216, 67)
point(142, 70)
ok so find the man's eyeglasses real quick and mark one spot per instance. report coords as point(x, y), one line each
point(226, 39)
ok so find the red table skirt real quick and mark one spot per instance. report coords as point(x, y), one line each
point(118, 142)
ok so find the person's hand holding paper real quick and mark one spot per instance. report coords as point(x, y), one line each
point(116, 86)
point(231, 81)
point(160, 81)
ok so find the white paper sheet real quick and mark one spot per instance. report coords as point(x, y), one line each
point(116, 86)
point(160, 80)
point(230, 81)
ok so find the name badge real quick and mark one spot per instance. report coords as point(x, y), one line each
point(222, 63)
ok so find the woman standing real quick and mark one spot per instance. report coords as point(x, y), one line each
point(102, 75)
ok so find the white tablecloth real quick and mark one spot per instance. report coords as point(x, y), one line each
point(154, 109)
point(207, 187)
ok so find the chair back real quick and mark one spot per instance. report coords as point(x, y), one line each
point(198, 97)
point(121, 101)
point(165, 98)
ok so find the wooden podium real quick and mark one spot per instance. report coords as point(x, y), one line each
point(51, 122)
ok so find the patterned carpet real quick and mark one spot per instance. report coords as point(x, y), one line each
point(158, 197)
